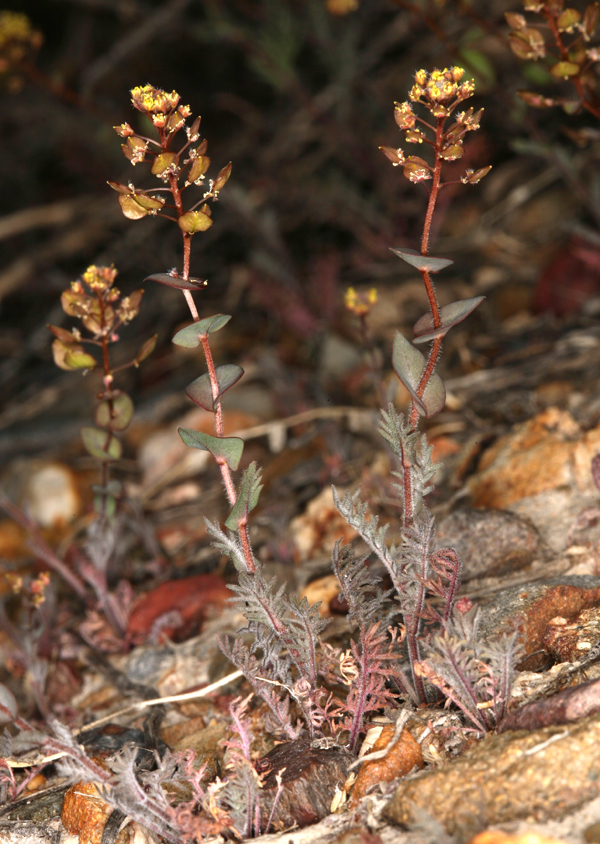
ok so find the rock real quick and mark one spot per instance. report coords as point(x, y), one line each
point(540, 775)
point(313, 769)
point(546, 452)
point(175, 608)
point(317, 529)
point(85, 813)
point(489, 542)
point(496, 836)
point(570, 641)
point(399, 760)
point(562, 708)
point(533, 606)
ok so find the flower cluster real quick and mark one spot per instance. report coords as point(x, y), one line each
point(168, 118)
point(440, 92)
point(360, 304)
point(18, 39)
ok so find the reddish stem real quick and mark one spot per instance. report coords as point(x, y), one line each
point(212, 374)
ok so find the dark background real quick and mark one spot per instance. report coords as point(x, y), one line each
point(299, 98)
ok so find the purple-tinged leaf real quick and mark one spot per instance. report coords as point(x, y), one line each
point(229, 448)
point(190, 336)
point(175, 281)
point(450, 315)
point(200, 390)
point(422, 262)
point(247, 499)
point(101, 444)
point(409, 365)
point(122, 413)
point(63, 335)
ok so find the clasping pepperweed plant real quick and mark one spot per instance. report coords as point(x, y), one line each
point(285, 659)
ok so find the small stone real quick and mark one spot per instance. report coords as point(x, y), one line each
point(490, 543)
point(496, 836)
point(322, 591)
point(320, 526)
point(569, 641)
point(85, 813)
point(311, 775)
point(401, 758)
point(562, 708)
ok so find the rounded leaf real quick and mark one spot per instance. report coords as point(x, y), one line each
point(194, 221)
point(409, 365)
point(101, 444)
point(222, 448)
point(567, 20)
point(76, 358)
point(180, 283)
point(63, 334)
point(130, 208)
point(162, 162)
point(198, 168)
point(563, 70)
point(200, 390)
point(189, 337)
point(122, 413)
point(422, 262)
point(450, 315)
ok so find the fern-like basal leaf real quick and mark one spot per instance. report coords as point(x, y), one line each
point(355, 513)
point(366, 602)
point(228, 544)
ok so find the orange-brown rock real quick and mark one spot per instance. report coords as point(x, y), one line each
point(400, 759)
point(496, 836)
point(85, 813)
point(546, 452)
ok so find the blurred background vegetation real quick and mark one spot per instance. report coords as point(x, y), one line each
point(299, 95)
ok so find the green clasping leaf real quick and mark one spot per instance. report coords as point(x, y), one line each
point(122, 408)
point(101, 444)
point(228, 448)
point(409, 365)
point(247, 500)
point(422, 262)
point(450, 315)
point(189, 337)
point(200, 390)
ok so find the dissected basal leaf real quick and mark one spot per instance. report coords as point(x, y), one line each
point(179, 283)
point(189, 337)
point(229, 448)
point(250, 489)
point(450, 315)
point(122, 413)
point(409, 365)
point(101, 444)
point(422, 262)
point(200, 390)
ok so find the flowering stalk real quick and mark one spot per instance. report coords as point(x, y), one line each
point(179, 170)
point(440, 92)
